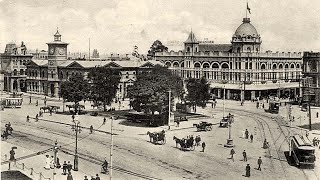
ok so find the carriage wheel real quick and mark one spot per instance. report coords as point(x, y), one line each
point(164, 141)
point(192, 148)
point(208, 128)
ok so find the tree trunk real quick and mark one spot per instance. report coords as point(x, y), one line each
point(104, 105)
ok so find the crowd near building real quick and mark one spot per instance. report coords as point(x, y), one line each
point(43, 74)
point(239, 68)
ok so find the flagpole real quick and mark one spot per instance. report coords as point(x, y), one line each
point(247, 10)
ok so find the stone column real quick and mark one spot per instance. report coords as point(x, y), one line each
point(219, 93)
point(228, 94)
point(56, 89)
point(18, 86)
point(11, 84)
point(253, 94)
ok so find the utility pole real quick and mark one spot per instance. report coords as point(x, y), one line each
point(111, 146)
point(169, 115)
point(290, 121)
point(77, 129)
point(224, 99)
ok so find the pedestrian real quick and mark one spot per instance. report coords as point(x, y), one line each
point(257, 106)
point(104, 120)
point(178, 122)
point(91, 129)
point(214, 104)
point(37, 118)
point(69, 167)
point(232, 152)
point(317, 114)
point(259, 163)
point(251, 138)
point(12, 153)
point(64, 167)
point(244, 153)
point(72, 117)
point(248, 170)
point(50, 110)
point(45, 102)
point(247, 134)
point(198, 140)
point(58, 165)
point(97, 177)
point(30, 100)
point(203, 146)
point(52, 165)
point(37, 103)
point(85, 178)
point(48, 161)
point(69, 176)
point(263, 106)
point(28, 118)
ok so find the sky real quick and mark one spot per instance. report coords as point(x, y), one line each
point(116, 26)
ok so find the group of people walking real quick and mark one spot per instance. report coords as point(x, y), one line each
point(8, 131)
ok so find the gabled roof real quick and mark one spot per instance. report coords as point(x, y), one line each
point(192, 38)
point(38, 62)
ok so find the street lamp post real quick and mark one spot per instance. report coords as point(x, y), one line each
point(111, 146)
point(224, 99)
point(229, 140)
point(169, 115)
point(77, 129)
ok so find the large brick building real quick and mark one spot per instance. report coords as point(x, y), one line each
point(240, 67)
point(44, 76)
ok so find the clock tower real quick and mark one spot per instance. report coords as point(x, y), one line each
point(57, 53)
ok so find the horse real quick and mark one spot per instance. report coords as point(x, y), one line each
point(179, 141)
point(151, 135)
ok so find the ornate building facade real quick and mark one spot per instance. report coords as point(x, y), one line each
point(13, 67)
point(44, 76)
point(311, 73)
point(240, 67)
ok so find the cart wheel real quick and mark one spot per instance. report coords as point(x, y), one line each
point(192, 148)
point(208, 128)
point(164, 141)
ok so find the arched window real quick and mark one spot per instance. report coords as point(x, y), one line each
point(292, 66)
point(188, 49)
point(197, 65)
point(280, 66)
point(274, 66)
point(298, 66)
point(175, 64)
point(15, 72)
point(225, 66)
point(238, 50)
point(61, 74)
point(51, 74)
point(286, 66)
point(215, 66)
point(248, 49)
point(21, 72)
point(263, 66)
point(196, 49)
point(182, 64)
point(168, 64)
point(206, 65)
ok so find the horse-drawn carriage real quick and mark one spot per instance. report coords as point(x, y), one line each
point(185, 143)
point(155, 137)
point(203, 126)
point(226, 120)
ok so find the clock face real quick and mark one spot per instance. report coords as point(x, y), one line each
point(51, 50)
point(50, 63)
point(61, 51)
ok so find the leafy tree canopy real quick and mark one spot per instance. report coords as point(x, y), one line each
point(198, 91)
point(150, 91)
point(104, 84)
point(157, 46)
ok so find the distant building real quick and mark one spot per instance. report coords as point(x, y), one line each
point(39, 54)
point(44, 76)
point(311, 80)
point(240, 67)
point(95, 54)
point(13, 67)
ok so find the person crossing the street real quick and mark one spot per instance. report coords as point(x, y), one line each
point(232, 152)
point(259, 163)
point(244, 153)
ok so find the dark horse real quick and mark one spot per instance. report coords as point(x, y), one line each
point(157, 136)
point(185, 143)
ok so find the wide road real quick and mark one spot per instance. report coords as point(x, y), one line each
point(136, 158)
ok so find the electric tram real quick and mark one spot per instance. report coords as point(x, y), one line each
point(302, 151)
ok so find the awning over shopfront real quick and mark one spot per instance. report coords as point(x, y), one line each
point(256, 87)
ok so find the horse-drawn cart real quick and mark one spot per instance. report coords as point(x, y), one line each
point(185, 143)
point(155, 137)
point(203, 126)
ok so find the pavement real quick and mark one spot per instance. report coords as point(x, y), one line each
point(210, 164)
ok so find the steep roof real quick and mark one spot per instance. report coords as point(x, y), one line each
point(215, 47)
point(192, 38)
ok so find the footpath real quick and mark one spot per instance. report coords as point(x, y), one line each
point(32, 163)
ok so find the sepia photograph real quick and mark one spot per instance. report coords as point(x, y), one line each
point(160, 89)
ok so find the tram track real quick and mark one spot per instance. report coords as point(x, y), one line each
point(261, 119)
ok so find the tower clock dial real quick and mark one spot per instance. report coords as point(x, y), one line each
point(61, 51)
point(51, 63)
point(51, 50)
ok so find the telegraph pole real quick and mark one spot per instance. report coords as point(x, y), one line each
point(290, 121)
point(77, 129)
point(224, 99)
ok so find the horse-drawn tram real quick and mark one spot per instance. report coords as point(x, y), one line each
point(302, 151)
point(157, 137)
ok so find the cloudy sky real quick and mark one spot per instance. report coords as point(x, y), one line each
point(118, 25)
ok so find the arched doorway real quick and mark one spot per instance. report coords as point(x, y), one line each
point(15, 85)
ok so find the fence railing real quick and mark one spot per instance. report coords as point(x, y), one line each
point(29, 171)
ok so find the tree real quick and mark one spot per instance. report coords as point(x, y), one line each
point(75, 89)
point(104, 84)
point(198, 92)
point(157, 46)
point(150, 91)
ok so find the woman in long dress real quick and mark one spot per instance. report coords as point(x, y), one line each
point(48, 161)
point(52, 162)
